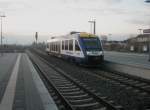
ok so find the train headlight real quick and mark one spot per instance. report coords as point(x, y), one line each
point(94, 53)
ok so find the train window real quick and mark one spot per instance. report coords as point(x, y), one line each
point(47, 45)
point(66, 45)
point(58, 47)
point(55, 46)
point(52, 47)
point(63, 45)
point(77, 48)
point(71, 45)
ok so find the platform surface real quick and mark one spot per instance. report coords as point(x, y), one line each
point(21, 86)
point(139, 60)
point(130, 63)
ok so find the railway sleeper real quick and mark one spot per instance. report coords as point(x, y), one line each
point(56, 76)
point(70, 90)
point(146, 87)
point(58, 81)
point(89, 106)
point(91, 103)
point(62, 85)
point(141, 84)
point(81, 96)
point(67, 87)
point(103, 108)
point(73, 93)
point(86, 100)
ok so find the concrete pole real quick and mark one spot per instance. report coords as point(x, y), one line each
point(2, 29)
point(1, 33)
point(94, 22)
point(149, 50)
point(94, 26)
point(148, 1)
point(149, 44)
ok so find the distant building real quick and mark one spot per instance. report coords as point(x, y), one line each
point(146, 31)
point(115, 45)
point(140, 43)
point(103, 39)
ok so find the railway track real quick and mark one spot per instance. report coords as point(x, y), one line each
point(72, 94)
point(139, 87)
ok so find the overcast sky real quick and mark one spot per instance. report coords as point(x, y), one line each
point(120, 18)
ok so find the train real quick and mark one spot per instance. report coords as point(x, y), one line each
point(78, 47)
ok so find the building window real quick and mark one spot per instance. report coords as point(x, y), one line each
point(144, 48)
point(132, 48)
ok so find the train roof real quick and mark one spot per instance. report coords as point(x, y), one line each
point(72, 35)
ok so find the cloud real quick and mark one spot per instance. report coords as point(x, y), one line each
point(112, 1)
point(13, 5)
point(139, 21)
point(104, 1)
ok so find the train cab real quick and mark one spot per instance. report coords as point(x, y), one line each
point(92, 48)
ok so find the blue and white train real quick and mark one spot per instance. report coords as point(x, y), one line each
point(79, 47)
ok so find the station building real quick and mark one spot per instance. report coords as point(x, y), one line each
point(140, 43)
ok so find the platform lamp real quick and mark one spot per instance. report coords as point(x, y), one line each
point(148, 1)
point(2, 16)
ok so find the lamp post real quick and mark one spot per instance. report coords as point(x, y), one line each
point(2, 16)
point(148, 1)
point(94, 24)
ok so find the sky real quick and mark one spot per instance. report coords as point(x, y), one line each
point(119, 19)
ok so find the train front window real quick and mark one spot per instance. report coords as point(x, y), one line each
point(77, 48)
point(91, 43)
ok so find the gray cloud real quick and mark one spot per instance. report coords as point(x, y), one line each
point(85, 1)
point(13, 5)
point(139, 21)
point(112, 1)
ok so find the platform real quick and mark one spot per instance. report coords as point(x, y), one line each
point(130, 63)
point(20, 85)
point(133, 59)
